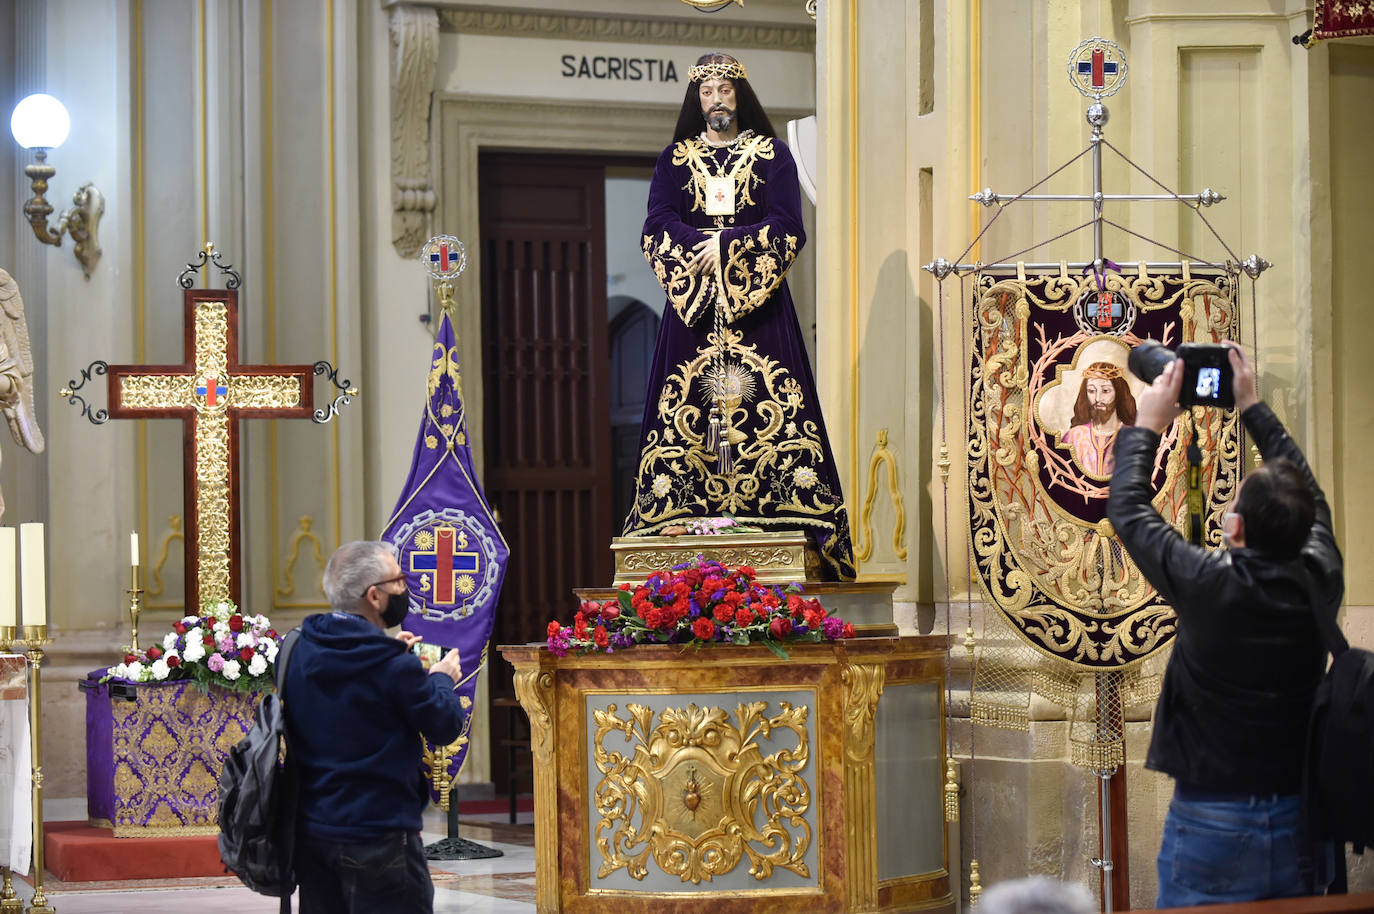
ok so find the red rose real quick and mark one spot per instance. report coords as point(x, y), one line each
point(554, 628)
point(743, 616)
point(174, 661)
point(724, 613)
point(154, 652)
point(780, 627)
point(848, 631)
point(600, 638)
point(610, 611)
point(704, 628)
point(624, 586)
point(130, 658)
point(746, 571)
point(179, 628)
point(246, 654)
point(236, 623)
point(272, 633)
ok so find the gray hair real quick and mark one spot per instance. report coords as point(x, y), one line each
point(1036, 895)
point(352, 569)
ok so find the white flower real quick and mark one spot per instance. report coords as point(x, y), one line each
point(231, 670)
point(195, 634)
point(120, 671)
point(257, 665)
point(221, 628)
point(160, 669)
point(272, 651)
point(195, 650)
point(245, 639)
point(169, 641)
point(190, 620)
point(134, 672)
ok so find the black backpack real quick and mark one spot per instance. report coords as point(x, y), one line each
point(1338, 781)
point(257, 798)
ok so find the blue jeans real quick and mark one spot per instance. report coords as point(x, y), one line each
point(1219, 850)
point(389, 874)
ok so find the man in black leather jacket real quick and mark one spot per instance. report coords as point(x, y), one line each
point(1232, 715)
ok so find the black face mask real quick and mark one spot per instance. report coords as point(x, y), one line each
point(397, 607)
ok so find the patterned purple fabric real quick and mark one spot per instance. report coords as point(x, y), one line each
point(783, 474)
point(451, 549)
point(153, 762)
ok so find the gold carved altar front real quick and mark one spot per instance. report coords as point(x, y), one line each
point(668, 780)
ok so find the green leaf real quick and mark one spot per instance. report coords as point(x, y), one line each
point(624, 597)
point(776, 648)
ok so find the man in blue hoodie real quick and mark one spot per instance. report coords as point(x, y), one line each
point(356, 703)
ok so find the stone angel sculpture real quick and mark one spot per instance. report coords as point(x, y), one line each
point(16, 371)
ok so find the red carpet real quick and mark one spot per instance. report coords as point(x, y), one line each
point(78, 852)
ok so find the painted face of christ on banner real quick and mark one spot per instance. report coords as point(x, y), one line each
point(1104, 404)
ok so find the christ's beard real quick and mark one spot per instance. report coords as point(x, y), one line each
point(720, 119)
point(1103, 414)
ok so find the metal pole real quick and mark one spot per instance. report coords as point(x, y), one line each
point(1097, 116)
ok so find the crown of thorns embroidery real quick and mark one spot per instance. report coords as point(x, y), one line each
point(719, 69)
point(1105, 370)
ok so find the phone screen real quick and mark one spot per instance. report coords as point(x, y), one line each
point(1208, 383)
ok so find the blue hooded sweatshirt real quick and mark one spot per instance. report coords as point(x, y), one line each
point(356, 702)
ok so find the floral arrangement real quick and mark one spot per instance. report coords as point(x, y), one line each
point(699, 602)
point(709, 526)
point(221, 646)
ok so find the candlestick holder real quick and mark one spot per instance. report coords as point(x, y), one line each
point(33, 637)
point(8, 635)
point(10, 903)
point(135, 603)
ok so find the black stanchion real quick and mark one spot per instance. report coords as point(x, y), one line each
point(457, 848)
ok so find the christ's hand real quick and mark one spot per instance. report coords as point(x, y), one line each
point(706, 255)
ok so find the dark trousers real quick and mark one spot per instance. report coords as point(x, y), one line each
point(389, 874)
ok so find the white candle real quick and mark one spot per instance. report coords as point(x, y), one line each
point(133, 548)
point(32, 579)
point(9, 580)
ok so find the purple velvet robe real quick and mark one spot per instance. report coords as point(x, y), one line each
point(784, 476)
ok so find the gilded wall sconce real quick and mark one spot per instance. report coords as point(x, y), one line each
point(40, 122)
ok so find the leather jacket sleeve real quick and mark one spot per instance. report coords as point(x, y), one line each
point(1167, 560)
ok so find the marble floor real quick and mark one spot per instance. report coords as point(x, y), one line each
point(499, 885)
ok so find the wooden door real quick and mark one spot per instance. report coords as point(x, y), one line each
point(545, 366)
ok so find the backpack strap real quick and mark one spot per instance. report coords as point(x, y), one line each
point(283, 654)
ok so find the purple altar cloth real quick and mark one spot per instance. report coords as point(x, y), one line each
point(154, 752)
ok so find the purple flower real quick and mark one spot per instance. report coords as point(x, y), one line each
point(832, 627)
point(215, 663)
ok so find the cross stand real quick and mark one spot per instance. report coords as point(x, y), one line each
point(457, 848)
point(1097, 69)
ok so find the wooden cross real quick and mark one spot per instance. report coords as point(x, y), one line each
point(209, 393)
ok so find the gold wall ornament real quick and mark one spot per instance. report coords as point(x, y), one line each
point(303, 535)
point(882, 456)
point(697, 795)
point(711, 6)
point(171, 535)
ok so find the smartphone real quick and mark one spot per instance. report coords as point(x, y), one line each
point(1206, 375)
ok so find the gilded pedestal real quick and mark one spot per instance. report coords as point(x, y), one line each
point(776, 557)
point(728, 780)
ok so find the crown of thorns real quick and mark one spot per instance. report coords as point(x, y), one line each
point(716, 70)
point(1105, 370)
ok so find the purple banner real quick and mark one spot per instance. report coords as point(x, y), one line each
point(452, 552)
